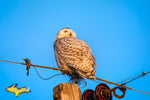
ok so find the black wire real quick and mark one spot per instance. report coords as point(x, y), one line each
point(129, 78)
point(84, 84)
point(141, 75)
point(45, 78)
point(133, 78)
point(96, 81)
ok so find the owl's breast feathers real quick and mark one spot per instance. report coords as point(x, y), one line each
point(75, 54)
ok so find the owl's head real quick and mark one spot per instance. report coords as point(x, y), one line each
point(66, 32)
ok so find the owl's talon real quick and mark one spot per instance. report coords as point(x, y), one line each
point(68, 72)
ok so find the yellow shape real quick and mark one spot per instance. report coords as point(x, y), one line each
point(17, 90)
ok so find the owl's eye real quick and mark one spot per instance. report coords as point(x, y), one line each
point(70, 34)
point(65, 31)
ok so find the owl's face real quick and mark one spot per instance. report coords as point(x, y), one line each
point(65, 32)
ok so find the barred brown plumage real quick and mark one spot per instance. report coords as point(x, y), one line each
point(73, 55)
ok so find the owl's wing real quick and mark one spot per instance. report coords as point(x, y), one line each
point(74, 53)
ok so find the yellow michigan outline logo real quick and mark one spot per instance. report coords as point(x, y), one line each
point(17, 90)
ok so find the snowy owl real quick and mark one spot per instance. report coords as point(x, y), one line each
point(73, 55)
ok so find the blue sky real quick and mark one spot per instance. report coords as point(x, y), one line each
point(118, 31)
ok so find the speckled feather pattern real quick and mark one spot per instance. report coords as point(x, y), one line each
point(75, 55)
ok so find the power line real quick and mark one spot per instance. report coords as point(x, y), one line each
point(88, 77)
point(121, 85)
point(136, 77)
point(45, 78)
point(129, 78)
point(41, 66)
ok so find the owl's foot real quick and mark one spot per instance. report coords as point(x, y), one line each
point(90, 76)
point(67, 71)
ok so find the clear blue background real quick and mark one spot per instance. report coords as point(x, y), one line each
point(118, 31)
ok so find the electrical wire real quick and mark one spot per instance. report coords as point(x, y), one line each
point(139, 76)
point(45, 78)
point(94, 77)
point(129, 78)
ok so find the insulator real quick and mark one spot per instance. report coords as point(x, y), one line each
point(88, 95)
point(102, 92)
